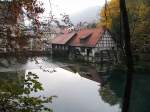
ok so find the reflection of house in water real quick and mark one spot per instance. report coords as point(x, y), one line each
point(91, 73)
point(87, 44)
point(88, 72)
point(11, 80)
point(111, 84)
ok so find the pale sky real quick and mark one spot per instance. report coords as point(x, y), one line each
point(69, 6)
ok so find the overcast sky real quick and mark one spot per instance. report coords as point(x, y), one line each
point(69, 6)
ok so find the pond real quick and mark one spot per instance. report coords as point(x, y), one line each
point(78, 87)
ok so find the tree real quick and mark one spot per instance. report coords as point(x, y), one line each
point(109, 13)
point(11, 12)
point(12, 38)
point(138, 13)
point(128, 56)
point(16, 95)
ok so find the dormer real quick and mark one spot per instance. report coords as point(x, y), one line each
point(85, 37)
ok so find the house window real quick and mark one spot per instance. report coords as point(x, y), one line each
point(77, 52)
point(59, 46)
point(89, 51)
point(82, 49)
point(56, 46)
point(82, 41)
point(66, 48)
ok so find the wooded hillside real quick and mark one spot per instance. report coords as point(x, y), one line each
point(138, 13)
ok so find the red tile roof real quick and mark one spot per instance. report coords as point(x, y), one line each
point(96, 34)
point(76, 39)
point(63, 38)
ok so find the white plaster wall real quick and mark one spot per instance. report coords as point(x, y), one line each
point(105, 43)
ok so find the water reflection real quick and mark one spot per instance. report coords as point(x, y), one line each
point(77, 88)
point(140, 93)
point(80, 88)
point(10, 61)
point(15, 93)
point(86, 71)
point(111, 83)
point(112, 91)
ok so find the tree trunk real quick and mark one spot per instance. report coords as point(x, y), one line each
point(129, 58)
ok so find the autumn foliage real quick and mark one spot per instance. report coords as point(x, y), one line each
point(138, 13)
point(11, 12)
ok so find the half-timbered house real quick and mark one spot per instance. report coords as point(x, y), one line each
point(96, 44)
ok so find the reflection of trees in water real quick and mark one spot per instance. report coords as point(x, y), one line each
point(10, 61)
point(22, 60)
point(15, 93)
point(108, 95)
point(112, 91)
point(112, 84)
point(140, 95)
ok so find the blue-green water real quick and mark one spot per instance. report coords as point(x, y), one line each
point(80, 88)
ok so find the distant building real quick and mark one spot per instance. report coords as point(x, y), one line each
point(96, 44)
